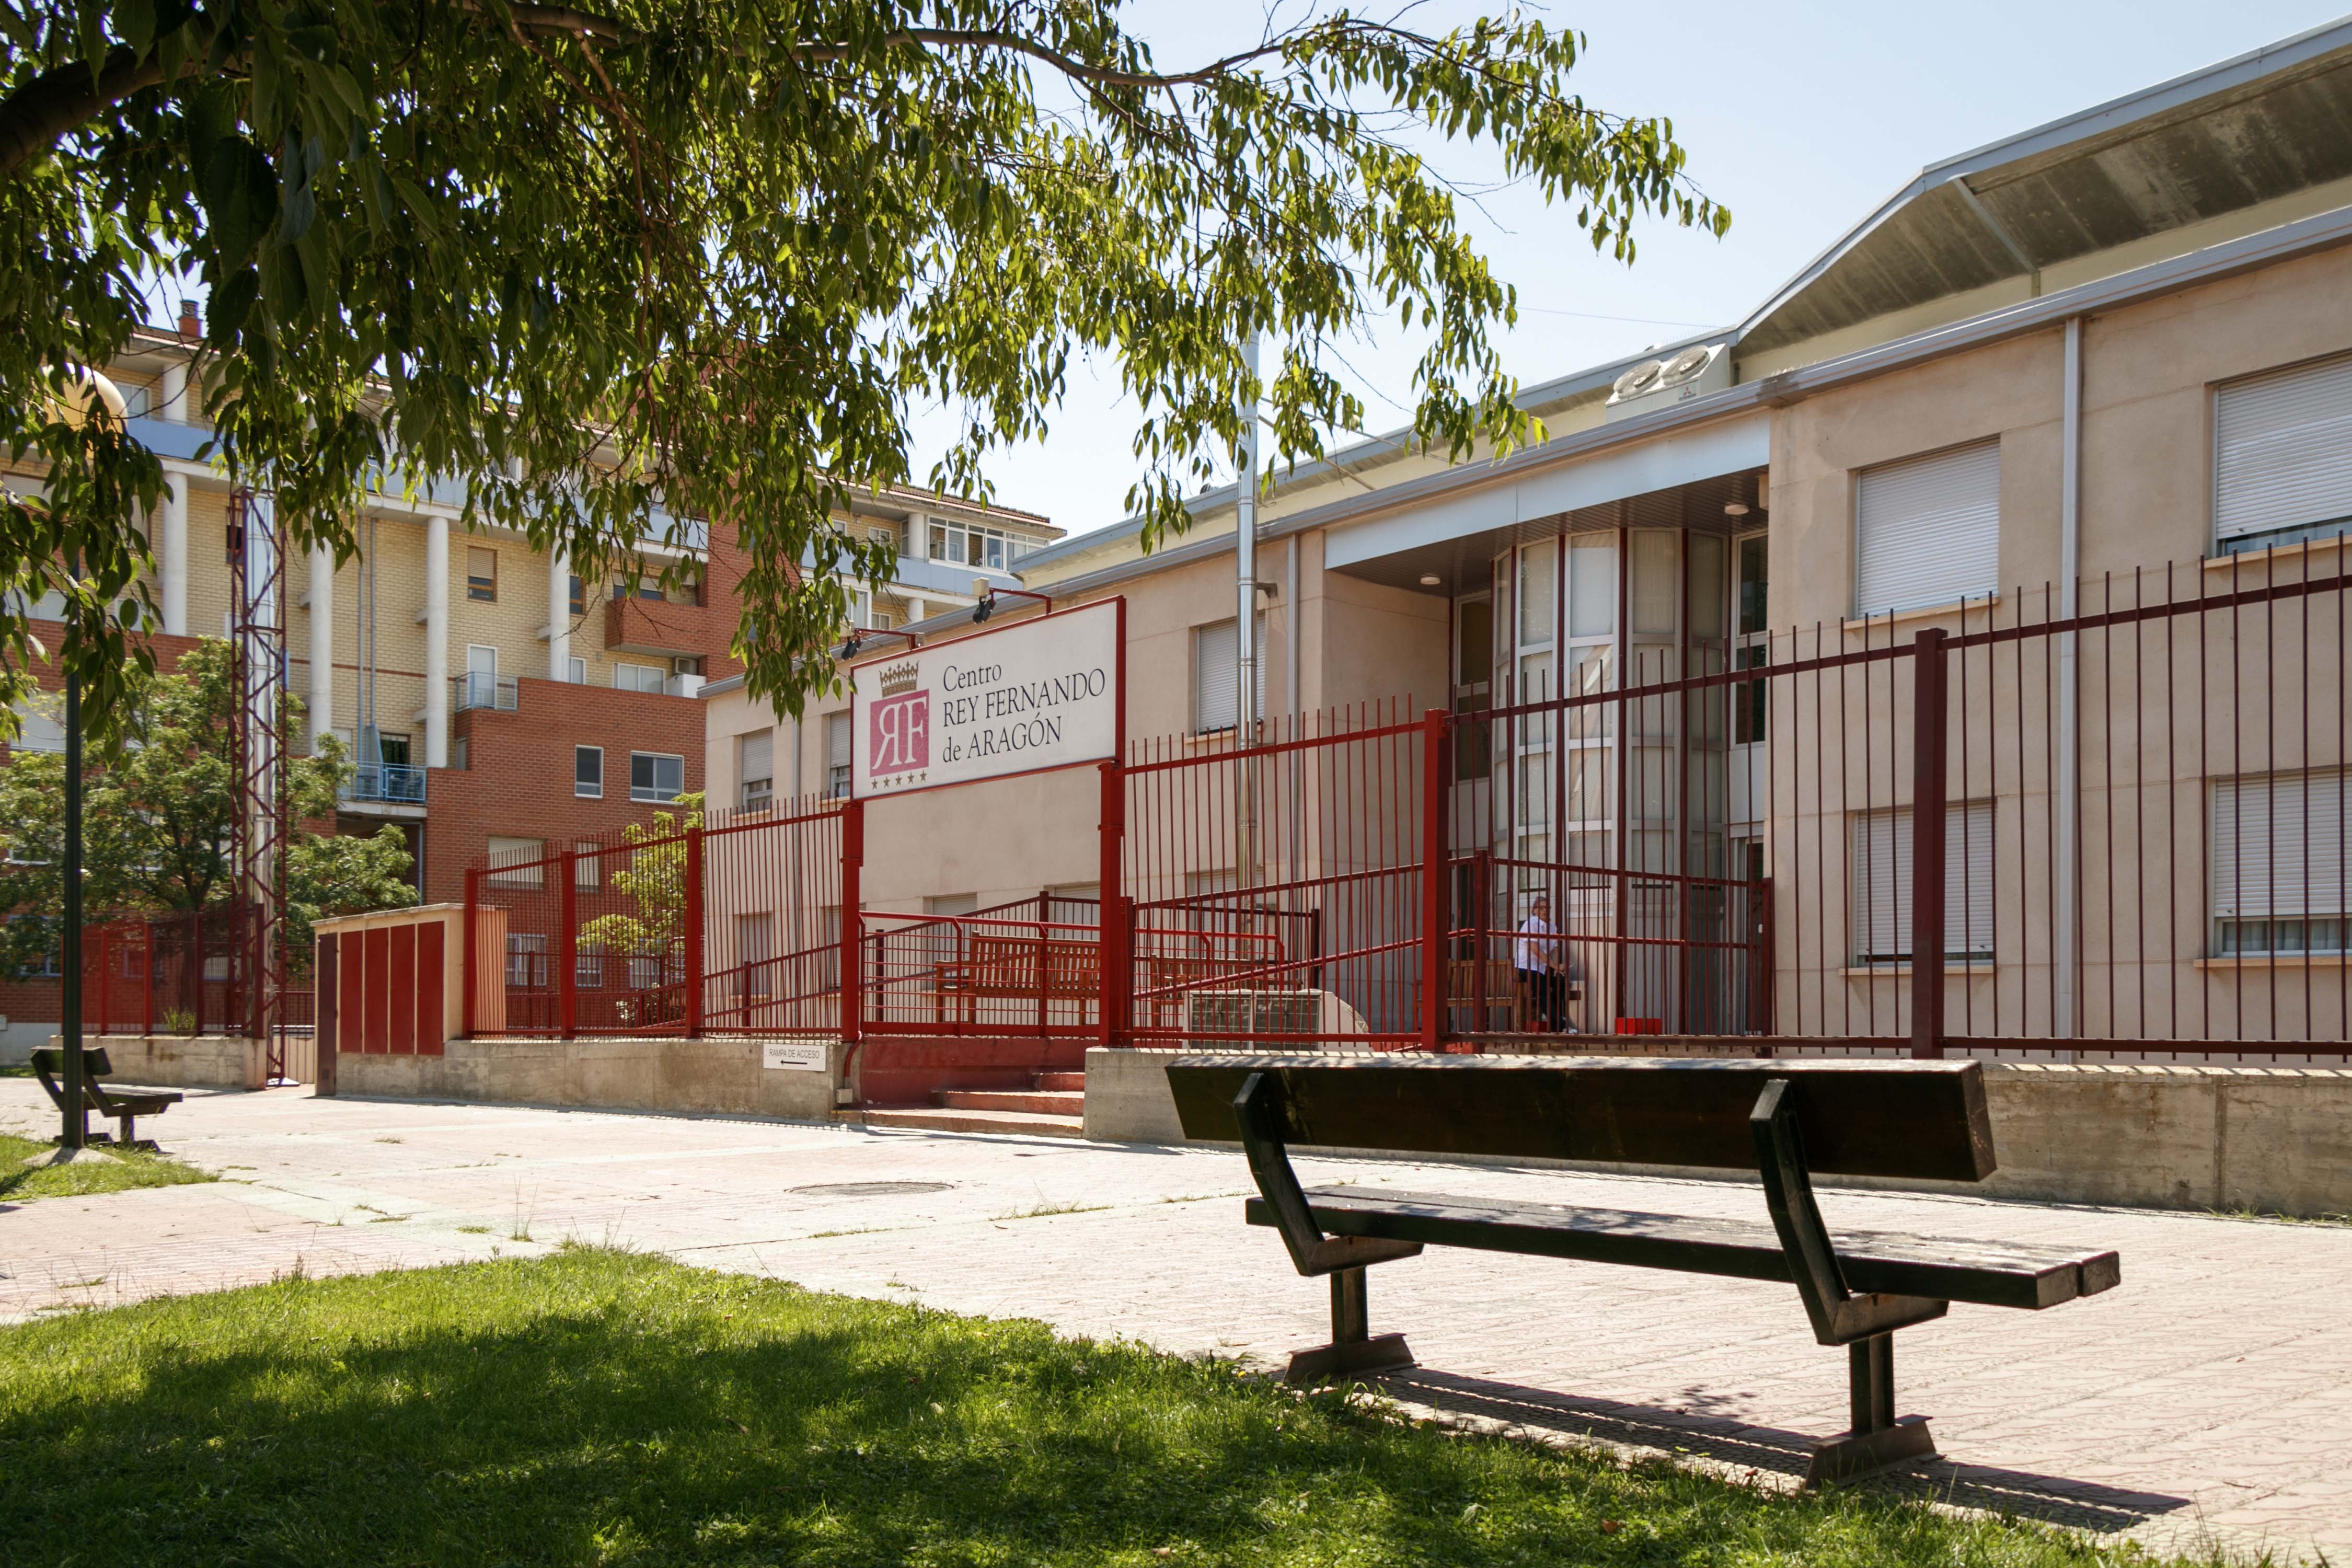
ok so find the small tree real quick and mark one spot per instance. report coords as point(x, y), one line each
point(160, 803)
point(655, 883)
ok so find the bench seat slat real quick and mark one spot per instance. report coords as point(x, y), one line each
point(1989, 1274)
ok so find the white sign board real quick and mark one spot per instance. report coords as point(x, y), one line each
point(797, 1056)
point(1039, 694)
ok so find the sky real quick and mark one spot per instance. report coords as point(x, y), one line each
point(1800, 118)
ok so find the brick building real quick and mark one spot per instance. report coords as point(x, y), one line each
point(491, 698)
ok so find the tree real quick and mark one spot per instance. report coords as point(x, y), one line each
point(654, 882)
point(705, 256)
point(160, 811)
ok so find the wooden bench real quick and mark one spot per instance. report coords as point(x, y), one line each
point(1505, 997)
point(1168, 977)
point(1018, 968)
point(1783, 1120)
point(123, 1105)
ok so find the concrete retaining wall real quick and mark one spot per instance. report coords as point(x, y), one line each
point(2277, 1140)
point(179, 1061)
point(658, 1074)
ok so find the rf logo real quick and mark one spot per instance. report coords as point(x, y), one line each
point(900, 738)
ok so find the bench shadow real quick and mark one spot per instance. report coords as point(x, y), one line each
point(1728, 1443)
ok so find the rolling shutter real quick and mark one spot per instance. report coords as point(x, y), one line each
point(1216, 671)
point(1881, 914)
point(2282, 451)
point(2278, 845)
point(1927, 530)
point(756, 756)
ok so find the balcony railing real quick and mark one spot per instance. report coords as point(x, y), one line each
point(395, 783)
point(477, 689)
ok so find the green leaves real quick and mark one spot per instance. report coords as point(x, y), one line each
point(566, 263)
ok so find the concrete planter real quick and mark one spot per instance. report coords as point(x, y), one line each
point(2276, 1140)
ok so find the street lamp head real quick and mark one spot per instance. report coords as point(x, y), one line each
point(85, 393)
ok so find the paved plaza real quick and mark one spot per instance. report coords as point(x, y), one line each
point(2211, 1396)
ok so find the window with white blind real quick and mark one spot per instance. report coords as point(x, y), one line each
point(2279, 871)
point(837, 756)
point(514, 862)
point(1880, 913)
point(40, 724)
point(1216, 675)
point(1927, 530)
point(2282, 457)
point(755, 769)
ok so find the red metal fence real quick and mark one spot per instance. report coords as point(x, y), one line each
point(725, 925)
point(2124, 815)
point(182, 972)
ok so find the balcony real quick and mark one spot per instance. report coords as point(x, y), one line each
point(386, 784)
point(659, 628)
point(476, 689)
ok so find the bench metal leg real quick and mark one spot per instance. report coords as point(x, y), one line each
point(1878, 1441)
point(1353, 1347)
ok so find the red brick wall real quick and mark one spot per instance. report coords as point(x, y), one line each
point(519, 780)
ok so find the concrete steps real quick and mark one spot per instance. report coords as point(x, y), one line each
point(940, 1119)
point(1053, 1106)
point(1045, 1102)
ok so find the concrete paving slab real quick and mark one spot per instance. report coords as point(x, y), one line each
point(2208, 1398)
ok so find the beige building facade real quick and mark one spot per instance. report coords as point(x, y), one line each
point(2102, 370)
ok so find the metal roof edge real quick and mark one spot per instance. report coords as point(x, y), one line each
point(2079, 126)
point(2305, 235)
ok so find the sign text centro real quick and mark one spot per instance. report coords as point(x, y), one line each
point(1037, 694)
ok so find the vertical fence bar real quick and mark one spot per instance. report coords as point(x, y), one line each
point(566, 958)
point(1928, 743)
point(1111, 968)
point(853, 859)
point(1432, 879)
point(694, 933)
point(473, 960)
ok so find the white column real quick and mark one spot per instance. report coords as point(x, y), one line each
point(917, 609)
point(559, 614)
point(175, 394)
point(172, 551)
point(322, 639)
point(437, 641)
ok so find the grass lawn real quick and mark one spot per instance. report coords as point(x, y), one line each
point(596, 1408)
point(19, 1181)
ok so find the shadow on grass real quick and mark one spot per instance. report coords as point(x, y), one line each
point(596, 1408)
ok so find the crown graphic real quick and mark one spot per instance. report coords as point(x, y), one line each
point(899, 679)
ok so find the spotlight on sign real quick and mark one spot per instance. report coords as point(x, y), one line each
point(982, 610)
point(850, 645)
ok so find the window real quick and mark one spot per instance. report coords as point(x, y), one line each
point(1881, 915)
point(527, 960)
point(637, 678)
point(2282, 457)
point(579, 592)
point(969, 544)
point(588, 865)
point(1217, 673)
point(755, 768)
point(753, 949)
point(45, 966)
point(655, 775)
point(514, 862)
point(837, 756)
point(588, 772)
point(575, 672)
point(2279, 871)
point(40, 724)
point(481, 574)
point(391, 748)
point(1927, 530)
point(1751, 642)
point(885, 537)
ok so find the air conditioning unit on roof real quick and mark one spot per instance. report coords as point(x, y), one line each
point(1656, 384)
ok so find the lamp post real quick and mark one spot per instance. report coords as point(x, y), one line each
point(86, 392)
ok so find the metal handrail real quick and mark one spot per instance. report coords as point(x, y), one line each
point(476, 689)
point(393, 783)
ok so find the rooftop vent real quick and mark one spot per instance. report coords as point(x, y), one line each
point(1653, 384)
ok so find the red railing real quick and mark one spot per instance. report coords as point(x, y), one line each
point(978, 975)
point(180, 973)
point(663, 933)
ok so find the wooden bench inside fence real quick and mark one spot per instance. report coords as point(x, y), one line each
point(995, 967)
point(1505, 996)
point(1781, 1119)
point(1238, 959)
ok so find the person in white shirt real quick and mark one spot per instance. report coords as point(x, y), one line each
point(1536, 955)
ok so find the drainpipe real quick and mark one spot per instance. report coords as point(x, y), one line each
point(1245, 695)
point(2065, 804)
